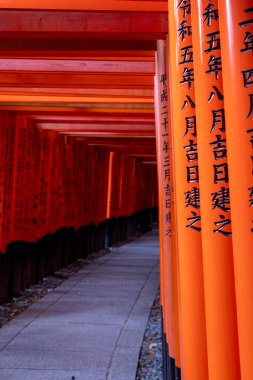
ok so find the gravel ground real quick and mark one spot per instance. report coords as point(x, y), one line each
point(150, 361)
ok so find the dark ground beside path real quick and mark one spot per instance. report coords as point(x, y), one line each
point(150, 365)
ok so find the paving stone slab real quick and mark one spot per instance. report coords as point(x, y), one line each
point(131, 337)
point(2, 346)
point(68, 337)
point(93, 294)
point(103, 291)
point(113, 281)
point(15, 374)
point(124, 364)
point(10, 331)
point(54, 360)
point(95, 308)
point(107, 275)
point(108, 289)
point(72, 298)
point(83, 318)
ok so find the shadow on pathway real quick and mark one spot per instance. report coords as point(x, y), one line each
point(91, 326)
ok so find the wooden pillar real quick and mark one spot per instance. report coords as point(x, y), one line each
point(164, 185)
point(222, 341)
point(236, 23)
point(187, 207)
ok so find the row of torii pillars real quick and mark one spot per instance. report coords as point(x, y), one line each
point(198, 60)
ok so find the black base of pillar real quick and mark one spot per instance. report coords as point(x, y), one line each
point(178, 374)
point(170, 371)
point(25, 263)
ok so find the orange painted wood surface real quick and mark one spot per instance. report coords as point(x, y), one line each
point(187, 201)
point(164, 169)
point(115, 25)
point(221, 327)
point(236, 25)
point(93, 5)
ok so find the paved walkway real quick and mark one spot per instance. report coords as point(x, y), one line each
point(91, 326)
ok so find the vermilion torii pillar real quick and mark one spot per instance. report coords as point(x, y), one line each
point(186, 182)
point(220, 307)
point(164, 169)
point(236, 25)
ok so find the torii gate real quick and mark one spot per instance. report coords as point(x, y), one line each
point(79, 81)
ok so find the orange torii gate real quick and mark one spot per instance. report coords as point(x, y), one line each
point(94, 95)
point(209, 71)
point(76, 88)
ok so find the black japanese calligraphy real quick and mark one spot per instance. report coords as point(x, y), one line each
point(163, 79)
point(222, 224)
point(247, 22)
point(213, 42)
point(164, 95)
point(192, 198)
point(248, 43)
point(188, 77)
point(194, 221)
point(250, 132)
point(165, 123)
point(214, 65)
point(185, 6)
point(210, 14)
point(168, 232)
point(220, 149)
point(247, 77)
point(192, 174)
point(218, 120)
point(168, 217)
point(221, 199)
point(187, 101)
point(165, 147)
point(167, 203)
point(167, 174)
point(166, 161)
point(191, 126)
point(250, 197)
point(167, 190)
point(250, 106)
point(191, 151)
point(187, 55)
point(217, 92)
point(164, 110)
point(184, 30)
point(220, 173)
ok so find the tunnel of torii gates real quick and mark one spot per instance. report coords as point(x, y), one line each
point(97, 97)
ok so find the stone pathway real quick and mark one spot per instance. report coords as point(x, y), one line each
point(91, 326)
